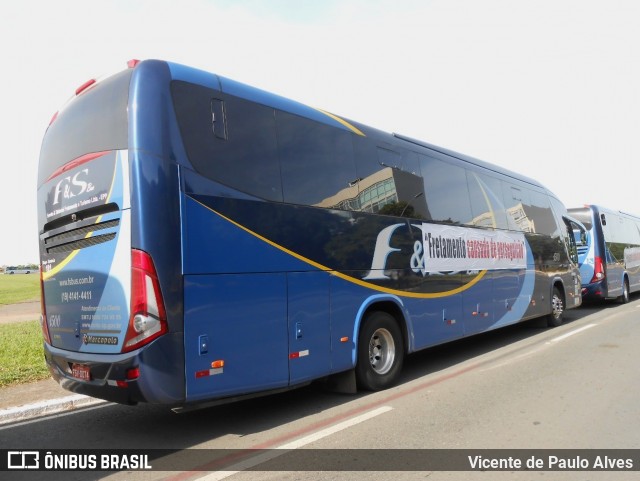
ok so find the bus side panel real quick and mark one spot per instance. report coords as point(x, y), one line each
point(507, 287)
point(615, 276)
point(309, 326)
point(515, 291)
point(435, 321)
point(212, 243)
point(235, 334)
point(478, 303)
point(634, 272)
point(346, 302)
point(614, 259)
point(499, 299)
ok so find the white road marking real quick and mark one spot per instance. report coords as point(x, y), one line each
point(570, 333)
point(536, 348)
point(298, 443)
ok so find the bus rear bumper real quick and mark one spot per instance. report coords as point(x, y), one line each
point(127, 378)
point(596, 291)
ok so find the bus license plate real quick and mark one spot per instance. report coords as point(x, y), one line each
point(80, 371)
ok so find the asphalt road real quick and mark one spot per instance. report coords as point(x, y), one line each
point(524, 387)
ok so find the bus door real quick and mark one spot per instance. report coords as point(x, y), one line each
point(309, 326)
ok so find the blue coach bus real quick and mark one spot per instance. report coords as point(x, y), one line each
point(202, 240)
point(609, 253)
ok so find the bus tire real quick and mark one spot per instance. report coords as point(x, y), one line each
point(624, 298)
point(380, 352)
point(556, 316)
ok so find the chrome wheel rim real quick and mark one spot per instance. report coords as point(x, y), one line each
point(382, 351)
point(557, 308)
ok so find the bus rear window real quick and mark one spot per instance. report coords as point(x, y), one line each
point(94, 121)
point(584, 215)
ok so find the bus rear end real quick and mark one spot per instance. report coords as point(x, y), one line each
point(592, 255)
point(104, 319)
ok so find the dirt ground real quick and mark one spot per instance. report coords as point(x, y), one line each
point(23, 311)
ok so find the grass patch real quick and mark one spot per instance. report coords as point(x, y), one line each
point(19, 288)
point(21, 353)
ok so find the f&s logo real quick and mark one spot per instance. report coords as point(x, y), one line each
point(72, 186)
point(23, 460)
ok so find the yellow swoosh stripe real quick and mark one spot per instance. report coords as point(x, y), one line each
point(351, 127)
point(418, 295)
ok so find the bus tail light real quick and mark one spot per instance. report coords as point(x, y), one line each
point(43, 312)
point(53, 118)
point(148, 319)
point(598, 270)
point(85, 86)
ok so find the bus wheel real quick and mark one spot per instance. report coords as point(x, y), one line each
point(380, 352)
point(624, 298)
point(555, 317)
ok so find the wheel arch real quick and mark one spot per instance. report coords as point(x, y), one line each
point(559, 284)
point(393, 306)
point(556, 318)
point(626, 288)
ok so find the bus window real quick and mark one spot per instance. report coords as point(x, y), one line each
point(577, 240)
point(444, 182)
point(383, 184)
point(516, 198)
point(316, 161)
point(487, 205)
point(247, 160)
point(218, 120)
point(540, 211)
point(580, 237)
point(91, 123)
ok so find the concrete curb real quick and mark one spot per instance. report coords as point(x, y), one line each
point(43, 408)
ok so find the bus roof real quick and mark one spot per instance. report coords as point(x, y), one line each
point(238, 89)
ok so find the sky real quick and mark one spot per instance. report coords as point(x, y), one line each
point(547, 88)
